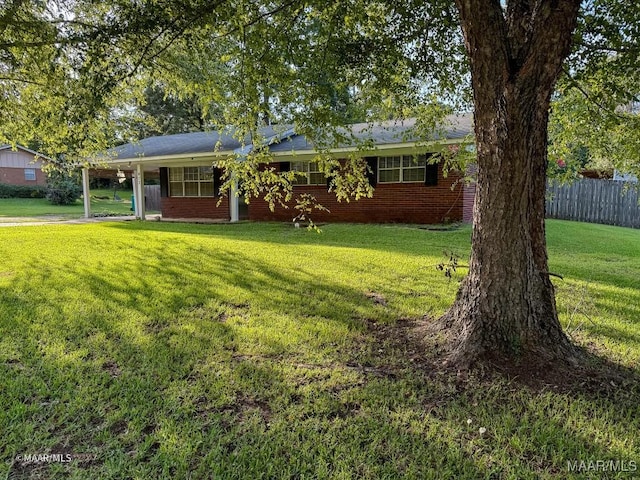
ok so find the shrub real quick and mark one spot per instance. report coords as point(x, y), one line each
point(22, 191)
point(63, 190)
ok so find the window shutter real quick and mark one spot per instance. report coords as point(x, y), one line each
point(431, 175)
point(164, 182)
point(285, 166)
point(372, 163)
point(217, 181)
point(329, 178)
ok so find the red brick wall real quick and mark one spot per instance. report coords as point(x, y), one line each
point(391, 203)
point(15, 176)
point(195, 207)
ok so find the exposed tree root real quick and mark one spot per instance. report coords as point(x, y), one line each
point(563, 367)
point(425, 347)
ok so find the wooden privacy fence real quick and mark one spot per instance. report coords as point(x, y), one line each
point(152, 197)
point(594, 201)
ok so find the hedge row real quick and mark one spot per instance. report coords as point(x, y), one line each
point(22, 191)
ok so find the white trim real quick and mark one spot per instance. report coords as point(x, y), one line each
point(139, 192)
point(384, 150)
point(401, 169)
point(182, 157)
point(234, 200)
point(207, 158)
point(86, 193)
point(32, 178)
point(199, 182)
point(308, 172)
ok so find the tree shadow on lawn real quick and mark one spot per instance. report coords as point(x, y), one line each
point(333, 235)
point(167, 373)
point(176, 327)
point(407, 240)
point(597, 313)
point(393, 415)
point(173, 282)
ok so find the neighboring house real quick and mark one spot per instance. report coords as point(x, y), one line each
point(21, 166)
point(597, 174)
point(408, 189)
point(624, 177)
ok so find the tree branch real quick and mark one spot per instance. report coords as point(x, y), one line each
point(551, 38)
point(574, 83)
point(485, 35)
point(607, 48)
point(22, 80)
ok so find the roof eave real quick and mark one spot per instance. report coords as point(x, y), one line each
point(389, 149)
point(192, 158)
point(206, 158)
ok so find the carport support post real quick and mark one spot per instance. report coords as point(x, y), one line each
point(139, 192)
point(235, 200)
point(85, 192)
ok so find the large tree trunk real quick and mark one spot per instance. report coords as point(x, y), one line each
point(505, 307)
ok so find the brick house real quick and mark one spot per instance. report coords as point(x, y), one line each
point(408, 186)
point(21, 166)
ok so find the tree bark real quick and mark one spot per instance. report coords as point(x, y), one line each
point(505, 307)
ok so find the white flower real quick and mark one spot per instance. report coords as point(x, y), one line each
point(469, 421)
point(482, 430)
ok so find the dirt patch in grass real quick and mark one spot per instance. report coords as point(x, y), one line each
point(402, 342)
point(155, 326)
point(245, 405)
point(377, 298)
point(112, 368)
point(229, 415)
point(596, 376)
point(448, 227)
point(120, 427)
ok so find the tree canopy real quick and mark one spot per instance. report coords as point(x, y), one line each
point(311, 63)
point(597, 103)
point(73, 71)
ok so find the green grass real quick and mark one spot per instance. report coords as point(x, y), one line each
point(249, 351)
point(36, 207)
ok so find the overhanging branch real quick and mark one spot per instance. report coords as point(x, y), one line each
point(574, 83)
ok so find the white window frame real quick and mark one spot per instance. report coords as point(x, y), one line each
point(413, 165)
point(30, 175)
point(177, 177)
point(306, 168)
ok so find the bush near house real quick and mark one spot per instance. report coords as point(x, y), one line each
point(22, 191)
point(63, 189)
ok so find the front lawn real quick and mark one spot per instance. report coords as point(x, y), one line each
point(102, 203)
point(262, 351)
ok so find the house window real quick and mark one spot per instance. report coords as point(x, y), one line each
point(402, 168)
point(191, 182)
point(313, 175)
point(30, 174)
